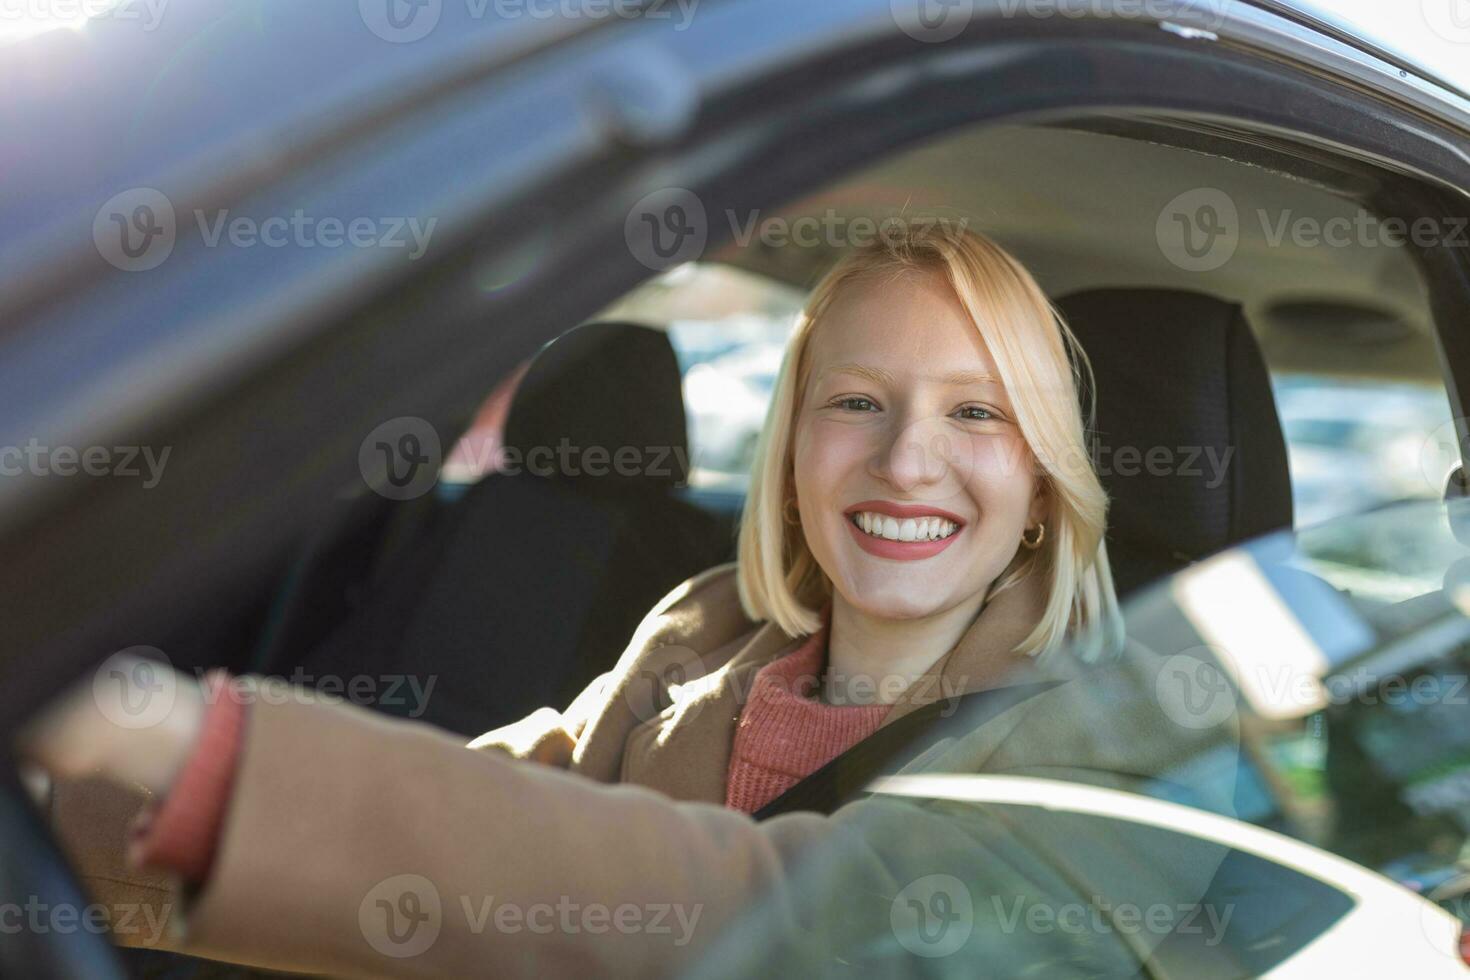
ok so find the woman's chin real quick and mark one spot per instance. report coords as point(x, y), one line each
point(890, 603)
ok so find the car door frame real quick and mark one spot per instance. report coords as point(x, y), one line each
point(267, 382)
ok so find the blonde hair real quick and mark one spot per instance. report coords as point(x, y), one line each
point(1038, 359)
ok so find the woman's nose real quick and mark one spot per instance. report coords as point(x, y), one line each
point(918, 453)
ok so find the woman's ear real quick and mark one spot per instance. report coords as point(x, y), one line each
point(1040, 504)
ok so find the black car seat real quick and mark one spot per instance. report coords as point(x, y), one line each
point(527, 587)
point(1180, 373)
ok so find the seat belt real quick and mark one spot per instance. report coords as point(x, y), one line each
point(894, 746)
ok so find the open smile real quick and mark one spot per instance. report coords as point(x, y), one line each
point(904, 532)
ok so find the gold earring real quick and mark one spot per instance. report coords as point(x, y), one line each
point(790, 512)
point(1034, 543)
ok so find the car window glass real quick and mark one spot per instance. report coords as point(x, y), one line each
point(1357, 443)
point(1278, 753)
point(729, 329)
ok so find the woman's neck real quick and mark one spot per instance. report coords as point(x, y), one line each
point(873, 661)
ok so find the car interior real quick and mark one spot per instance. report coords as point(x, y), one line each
point(511, 590)
point(450, 585)
point(463, 586)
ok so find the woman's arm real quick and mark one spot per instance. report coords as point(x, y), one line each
point(363, 845)
point(357, 844)
point(345, 829)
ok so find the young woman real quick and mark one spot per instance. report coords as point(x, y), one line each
point(922, 522)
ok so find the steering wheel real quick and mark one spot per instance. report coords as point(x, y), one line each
point(37, 883)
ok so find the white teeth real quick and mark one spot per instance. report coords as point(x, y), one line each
point(908, 529)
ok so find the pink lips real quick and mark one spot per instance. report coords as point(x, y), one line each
point(901, 550)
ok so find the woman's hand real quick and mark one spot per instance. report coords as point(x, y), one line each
point(132, 721)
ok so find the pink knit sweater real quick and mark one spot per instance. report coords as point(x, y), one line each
point(785, 734)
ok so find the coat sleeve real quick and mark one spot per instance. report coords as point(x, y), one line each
point(546, 735)
point(386, 849)
point(704, 606)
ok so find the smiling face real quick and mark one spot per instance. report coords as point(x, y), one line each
point(913, 481)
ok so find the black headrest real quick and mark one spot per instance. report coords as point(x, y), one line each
point(602, 405)
point(1179, 376)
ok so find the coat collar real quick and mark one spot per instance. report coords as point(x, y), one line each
point(685, 753)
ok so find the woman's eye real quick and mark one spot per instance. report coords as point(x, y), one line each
point(977, 412)
point(856, 403)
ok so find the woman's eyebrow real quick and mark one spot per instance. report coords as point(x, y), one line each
point(963, 378)
point(955, 379)
point(875, 375)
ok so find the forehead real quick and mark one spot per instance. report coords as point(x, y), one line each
point(897, 323)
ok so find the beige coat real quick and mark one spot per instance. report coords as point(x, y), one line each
point(357, 844)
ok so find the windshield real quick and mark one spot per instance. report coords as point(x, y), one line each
point(1280, 753)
